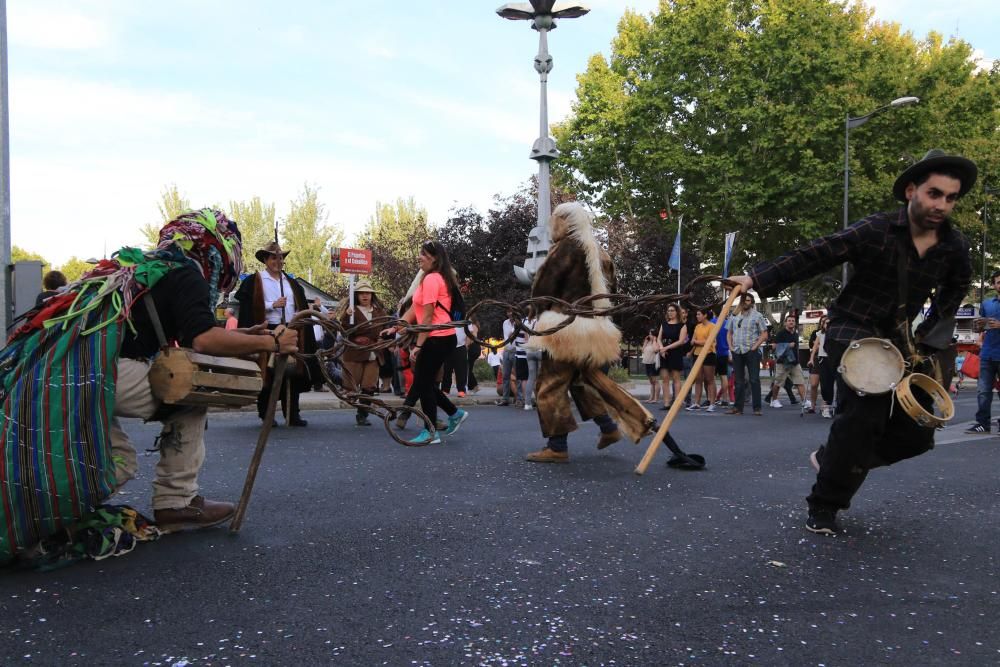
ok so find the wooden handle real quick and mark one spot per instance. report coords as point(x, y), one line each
point(258, 453)
point(688, 383)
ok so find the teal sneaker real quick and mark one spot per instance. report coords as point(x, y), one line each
point(425, 438)
point(455, 421)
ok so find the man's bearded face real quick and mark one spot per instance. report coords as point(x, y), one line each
point(932, 201)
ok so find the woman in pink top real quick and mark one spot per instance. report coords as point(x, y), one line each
point(432, 305)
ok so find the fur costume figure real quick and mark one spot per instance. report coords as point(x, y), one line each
point(576, 267)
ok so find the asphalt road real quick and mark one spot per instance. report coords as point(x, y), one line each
point(358, 551)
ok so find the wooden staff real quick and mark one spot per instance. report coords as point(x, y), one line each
point(281, 286)
point(688, 383)
point(272, 402)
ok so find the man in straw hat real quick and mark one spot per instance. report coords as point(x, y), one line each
point(361, 366)
point(901, 259)
point(272, 297)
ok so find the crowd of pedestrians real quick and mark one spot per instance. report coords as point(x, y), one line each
point(730, 374)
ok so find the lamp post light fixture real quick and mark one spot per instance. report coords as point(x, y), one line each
point(850, 124)
point(543, 15)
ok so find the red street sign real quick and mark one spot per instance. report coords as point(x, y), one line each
point(351, 260)
point(663, 214)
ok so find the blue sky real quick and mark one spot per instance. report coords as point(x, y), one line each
point(113, 100)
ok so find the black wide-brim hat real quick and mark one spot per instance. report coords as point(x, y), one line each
point(936, 160)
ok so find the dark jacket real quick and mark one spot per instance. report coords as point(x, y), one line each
point(362, 335)
point(868, 304)
point(250, 296)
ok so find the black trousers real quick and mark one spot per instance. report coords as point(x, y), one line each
point(864, 435)
point(291, 388)
point(430, 360)
point(289, 409)
point(827, 377)
point(456, 364)
point(471, 354)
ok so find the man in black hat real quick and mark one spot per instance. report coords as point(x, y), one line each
point(901, 259)
point(272, 297)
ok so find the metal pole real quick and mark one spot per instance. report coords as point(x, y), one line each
point(987, 190)
point(544, 194)
point(847, 183)
point(680, 224)
point(350, 296)
point(5, 305)
point(543, 15)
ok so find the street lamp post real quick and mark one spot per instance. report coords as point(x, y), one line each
point(987, 190)
point(850, 124)
point(542, 14)
point(5, 299)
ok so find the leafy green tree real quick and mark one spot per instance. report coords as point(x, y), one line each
point(309, 238)
point(640, 247)
point(394, 234)
point(256, 222)
point(732, 113)
point(485, 248)
point(171, 205)
point(18, 254)
point(74, 267)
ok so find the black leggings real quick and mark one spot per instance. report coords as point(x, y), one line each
point(472, 352)
point(430, 360)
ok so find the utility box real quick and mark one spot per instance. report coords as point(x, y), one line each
point(27, 283)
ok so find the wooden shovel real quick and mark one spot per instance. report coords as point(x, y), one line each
point(692, 376)
point(279, 374)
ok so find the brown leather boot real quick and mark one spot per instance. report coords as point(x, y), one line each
point(608, 439)
point(548, 456)
point(199, 513)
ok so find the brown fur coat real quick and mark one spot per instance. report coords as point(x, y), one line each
point(577, 267)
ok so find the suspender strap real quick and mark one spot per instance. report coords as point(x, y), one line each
point(902, 283)
point(154, 318)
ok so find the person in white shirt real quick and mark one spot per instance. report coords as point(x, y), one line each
point(473, 351)
point(456, 366)
point(271, 296)
point(495, 360)
point(509, 380)
point(532, 361)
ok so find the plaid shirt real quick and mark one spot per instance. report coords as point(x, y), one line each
point(867, 306)
point(746, 329)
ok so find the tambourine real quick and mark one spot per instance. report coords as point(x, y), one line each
point(944, 409)
point(872, 366)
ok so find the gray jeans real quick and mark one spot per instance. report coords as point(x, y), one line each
point(534, 358)
point(508, 371)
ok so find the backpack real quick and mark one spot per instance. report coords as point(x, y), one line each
point(457, 311)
